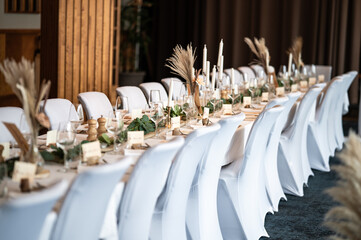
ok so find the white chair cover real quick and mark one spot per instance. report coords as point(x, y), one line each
point(256, 68)
point(273, 183)
point(169, 218)
point(12, 115)
point(321, 141)
point(248, 71)
point(347, 80)
point(238, 77)
point(23, 217)
point(202, 215)
point(59, 110)
point(95, 104)
point(293, 165)
point(82, 213)
point(136, 98)
point(242, 196)
point(147, 87)
point(143, 188)
point(178, 87)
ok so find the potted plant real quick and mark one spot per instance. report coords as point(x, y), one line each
point(135, 18)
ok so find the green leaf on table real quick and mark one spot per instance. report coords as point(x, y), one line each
point(142, 124)
point(104, 138)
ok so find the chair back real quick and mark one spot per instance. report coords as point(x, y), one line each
point(143, 188)
point(24, 217)
point(248, 71)
point(321, 70)
point(82, 213)
point(12, 115)
point(238, 77)
point(257, 69)
point(172, 203)
point(178, 87)
point(202, 216)
point(95, 104)
point(59, 110)
point(147, 87)
point(136, 98)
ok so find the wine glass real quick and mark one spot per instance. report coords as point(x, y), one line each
point(154, 97)
point(78, 119)
point(115, 126)
point(157, 115)
point(188, 107)
point(122, 106)
point(65, 139)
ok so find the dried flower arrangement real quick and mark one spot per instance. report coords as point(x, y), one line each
point(345, 219)
point(261, 51)
point(296, 51)
point(21, 78)
point(181, 63)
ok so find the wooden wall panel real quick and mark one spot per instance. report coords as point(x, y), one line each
point(85, 47)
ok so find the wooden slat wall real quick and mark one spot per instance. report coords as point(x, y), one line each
point(85, 47)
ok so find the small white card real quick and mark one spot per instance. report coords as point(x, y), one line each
point(51, 137)
point(206, 112)
point(6, 151)
point(265, 97)
point(227, 109)
point(175, 122)
point(303, 84)
point(135, 137)
point(280, 91)
point(312, 81)
point(91, 150)
point(136, 113)
point(247, 101)
point(294, 88)
point(321, 78)
point(24, 170)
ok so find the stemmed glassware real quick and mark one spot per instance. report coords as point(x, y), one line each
point(65, 139)
point(188, 107)
point(78, 119)
point(154, 97)
point(115, 126)
point(122, 106)
point(157, 115)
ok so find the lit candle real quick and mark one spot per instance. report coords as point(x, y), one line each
point(204, 59)
point(207, 74)
point(289, 64)
point(170, 93)
point(213, 77)
point(220, 53)
point(220, 72)
point(232, 77)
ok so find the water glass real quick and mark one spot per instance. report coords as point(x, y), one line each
point(154, 97)
point(65, 139)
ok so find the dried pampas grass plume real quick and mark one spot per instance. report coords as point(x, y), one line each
point(296, 51)
point(345, 219)
point(261, 51)
point(181, 63)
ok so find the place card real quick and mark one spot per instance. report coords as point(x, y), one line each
point(303, 84)
point(6, 151)
point(280, 91)
point(51, 137)
point(19, 138)
point(135, 137)
point(205, 112)
point(265, 97)
point(91, 151)
point(321, 78)
point(175, 122)
point(136, 113)
point(312, 81)
point(227, 109)
point(24, 170)
point(247, 102)
point(294, 88)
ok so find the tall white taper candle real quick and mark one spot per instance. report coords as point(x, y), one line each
point(204, 68)
point(214, 77)
point(170, 93)
point(220, 53)
point(289, 64)
point(207, 73)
